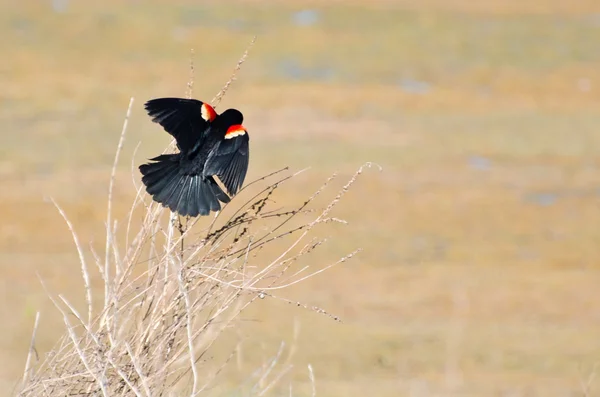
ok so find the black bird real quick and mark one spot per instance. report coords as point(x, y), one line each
point(210, 145)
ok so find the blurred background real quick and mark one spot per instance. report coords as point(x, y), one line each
point(480, 268)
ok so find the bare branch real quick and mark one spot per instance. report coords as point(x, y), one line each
point(217, 99)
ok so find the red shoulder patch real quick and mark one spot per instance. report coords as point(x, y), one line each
point(207, 112)
point(235, 130)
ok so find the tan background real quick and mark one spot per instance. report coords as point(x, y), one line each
point(480, 268)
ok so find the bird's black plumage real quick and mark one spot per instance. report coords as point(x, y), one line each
point(209, 145)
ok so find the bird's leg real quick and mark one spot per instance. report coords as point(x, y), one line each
point(181, 231)
point(180, 226)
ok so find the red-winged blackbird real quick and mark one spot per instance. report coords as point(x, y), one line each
point(210, 144)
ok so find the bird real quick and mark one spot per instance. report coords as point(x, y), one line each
point(210, 145)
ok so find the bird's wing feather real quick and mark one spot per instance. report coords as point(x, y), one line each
point(185, 119)
point(229, 161)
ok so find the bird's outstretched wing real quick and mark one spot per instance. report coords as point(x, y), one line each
point(229, 161)
point(185, 119)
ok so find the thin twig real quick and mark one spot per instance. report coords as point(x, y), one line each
point(109, 236)
point(32, 350)
point(217, 99)
point(189, 331)
point(76, 345)
point(138, 369)
point(190, 84)
point(313, 382)
point(84, 269)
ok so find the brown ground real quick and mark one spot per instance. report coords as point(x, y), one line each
point(480, 236)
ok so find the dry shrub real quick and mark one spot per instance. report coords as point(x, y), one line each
point(173, 290)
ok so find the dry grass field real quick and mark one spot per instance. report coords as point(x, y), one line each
point(480, 268)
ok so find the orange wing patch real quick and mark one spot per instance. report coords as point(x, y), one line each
point(235, 130)
point(207, 112)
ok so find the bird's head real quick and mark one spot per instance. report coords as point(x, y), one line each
point(232, 122)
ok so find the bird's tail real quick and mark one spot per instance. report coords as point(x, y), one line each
point(188, 195)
